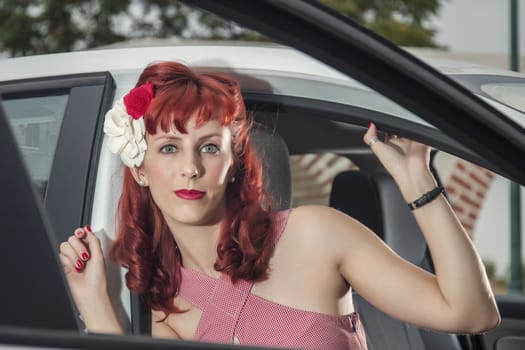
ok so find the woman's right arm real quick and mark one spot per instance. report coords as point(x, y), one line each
point(83, 263)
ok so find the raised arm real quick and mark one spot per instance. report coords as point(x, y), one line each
point(458, 298)
point(83, 263)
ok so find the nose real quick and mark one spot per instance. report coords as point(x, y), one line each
point(192, 168)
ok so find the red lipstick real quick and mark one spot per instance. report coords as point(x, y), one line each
point(190, 194)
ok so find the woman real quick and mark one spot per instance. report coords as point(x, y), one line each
point(214, 263)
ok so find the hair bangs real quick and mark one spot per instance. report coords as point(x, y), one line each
point(206, 98)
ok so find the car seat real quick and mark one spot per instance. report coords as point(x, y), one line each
point(375, 200)
point(273, 152)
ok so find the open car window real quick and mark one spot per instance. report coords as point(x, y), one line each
point(36, 122)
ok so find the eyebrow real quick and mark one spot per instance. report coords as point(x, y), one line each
point(173, 137)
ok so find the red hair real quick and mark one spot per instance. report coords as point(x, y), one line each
point(144, 243)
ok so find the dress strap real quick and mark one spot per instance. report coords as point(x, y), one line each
point(220, 316)
point(220, 300)
point(196, 287)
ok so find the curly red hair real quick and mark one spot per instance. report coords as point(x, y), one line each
point(144, 243)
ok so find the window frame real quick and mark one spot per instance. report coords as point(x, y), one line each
point(69, 195)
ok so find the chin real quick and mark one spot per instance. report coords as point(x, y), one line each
point(194, 216)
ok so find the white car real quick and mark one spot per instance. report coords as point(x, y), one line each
point(319, 97)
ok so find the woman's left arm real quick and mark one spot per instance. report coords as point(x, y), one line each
point(460, 274)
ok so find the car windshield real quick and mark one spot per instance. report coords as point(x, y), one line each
point(509, 112)
point(511, 94)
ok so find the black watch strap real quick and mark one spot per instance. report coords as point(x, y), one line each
point(426, 198)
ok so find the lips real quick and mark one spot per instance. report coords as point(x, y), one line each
point(190, 194)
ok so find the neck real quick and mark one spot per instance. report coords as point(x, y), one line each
point(198, 246)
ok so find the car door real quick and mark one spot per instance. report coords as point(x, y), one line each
point(55, 133)
point(56, 123)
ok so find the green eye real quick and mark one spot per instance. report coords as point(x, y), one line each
point(168, 149)
point(210, 148)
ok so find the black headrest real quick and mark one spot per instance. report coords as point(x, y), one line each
point(375, 201)
point(274, 155)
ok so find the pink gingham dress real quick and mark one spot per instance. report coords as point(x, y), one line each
point(230, 311)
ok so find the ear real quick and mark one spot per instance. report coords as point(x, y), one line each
point(139, 176)
point(231, 173)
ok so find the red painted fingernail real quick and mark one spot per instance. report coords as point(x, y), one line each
point(80, 264)
point(85, 256)
point(78, 270)
point(369, 125)
point(88, 228)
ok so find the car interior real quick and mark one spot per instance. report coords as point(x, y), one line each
point(381, 207)
point(371, 196)
point(368, 194)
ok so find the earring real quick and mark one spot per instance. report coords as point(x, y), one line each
point(141, 182)
point(232, 180)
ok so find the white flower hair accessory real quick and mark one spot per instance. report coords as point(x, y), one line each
point(124, 125)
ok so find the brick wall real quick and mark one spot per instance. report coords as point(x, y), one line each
point(467, 186)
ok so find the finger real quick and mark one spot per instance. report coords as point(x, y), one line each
point(68, 252)
point(409, 145)
point(92, 242)
point(399, 143)
point(79, 232)
point(67, 264)
point(385, 152)
point(370, 134)
point(372, 140)
point(419, 145)
point(393, 138)
point(79, 246)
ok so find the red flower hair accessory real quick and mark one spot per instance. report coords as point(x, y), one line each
point(124, 125)
point(138, 100)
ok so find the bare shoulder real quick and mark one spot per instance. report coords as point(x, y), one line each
point(325, 228)
point(312, 212)
point(322, 219)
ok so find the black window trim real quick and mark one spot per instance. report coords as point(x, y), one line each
point(331, 111)
point(70, 190)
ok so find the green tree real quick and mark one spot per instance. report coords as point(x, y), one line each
point(44, 26)
point(404, 22)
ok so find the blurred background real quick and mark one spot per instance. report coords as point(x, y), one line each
point(477, 29)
